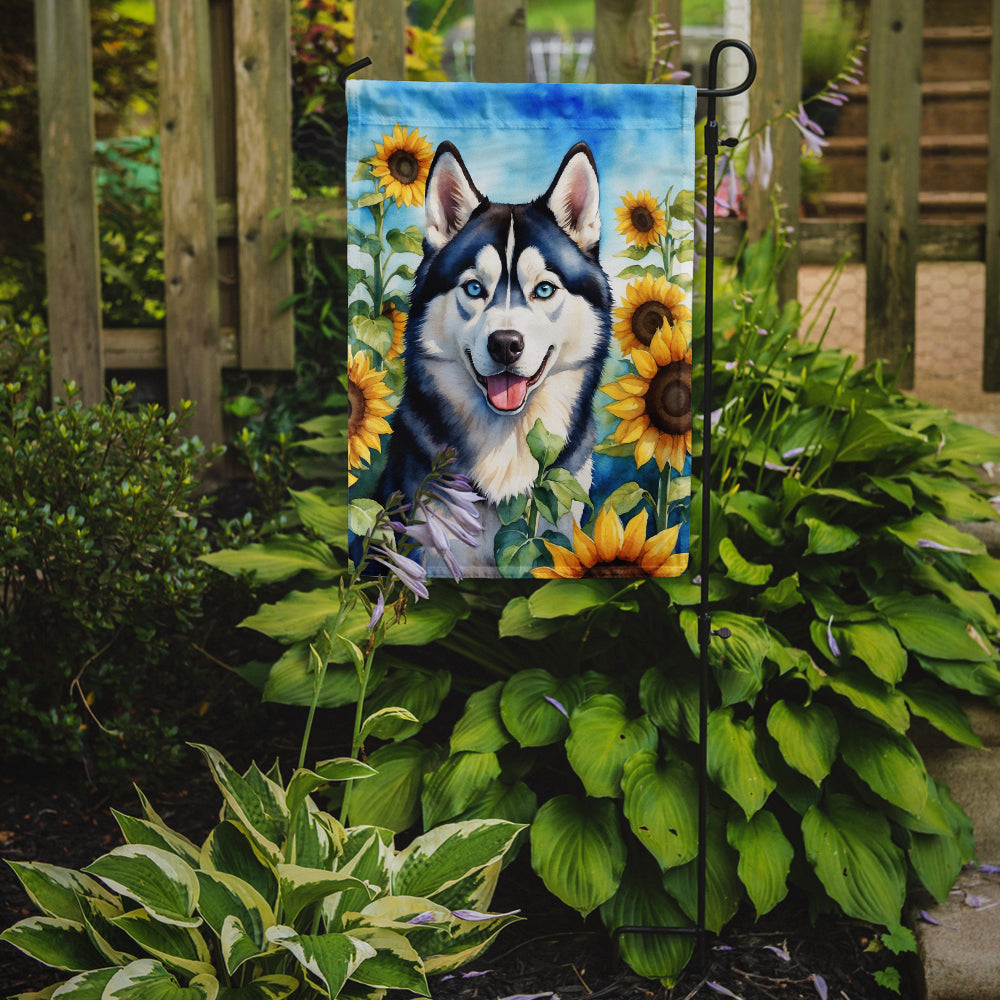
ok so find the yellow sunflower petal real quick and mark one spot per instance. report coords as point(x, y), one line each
point(583, 548)
point(646, 446)
point(628, 408)
point(635, 537)
point(658, 549)
point(565, 564)
point(645, 363)
point(608, 534)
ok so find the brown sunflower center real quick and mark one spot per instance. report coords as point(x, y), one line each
point(403, 166)
point(355, 408)
point(648, 318)
point(642, 219)
point(668, 399)
point(616, 569)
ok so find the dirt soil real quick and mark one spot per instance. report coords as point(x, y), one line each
point(551, 953)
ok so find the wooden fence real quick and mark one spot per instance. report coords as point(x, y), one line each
point(226, 162)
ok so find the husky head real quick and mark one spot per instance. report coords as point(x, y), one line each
point(510, 311)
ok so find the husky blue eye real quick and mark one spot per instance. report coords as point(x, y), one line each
point(473, 288)
point(544, 290)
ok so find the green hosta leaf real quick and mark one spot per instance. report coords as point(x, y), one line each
point(671, 700)
point(330, 959)
point(142, 831)
point(641, 901)
point(956, 500)
point(601, 739)
point(440, 858)
point(578, 851)
point(230, 849)
point(395, 964)
point(391, 798)
point(279, 558)
point(937, 858)
point(828, 539)
point(976, 678)
point(163, 884)
point(275, 987)
point(517, 620)
point(783, 595)
point(807, 736)
point(888, 763)
point(928, 528)
point(661, 806)
point(738, 661)
point(870, 436)
point(260, 809)
point(732, 760)
point(866, 692)
point(850, 848)
point(417, 690)
point(765, 858)
point(54, 941)
point(941, 709)
point(986, 572)
point(876, 646)
point(301, 887)
point(456, 784)
point(292, 679)
point(760, 512)
point(56, 891)
point(516, 803)
point(481, 728)
point(328, 520)
point(723, 889)
point(147, 979)
point(304, 782)
point(528, 710)
point(559, 598)
point(738, 569)
point(932, 628)
point(180, 948)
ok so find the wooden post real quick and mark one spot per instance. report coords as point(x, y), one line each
point(501, 41)
point(623, 38)
point(776, 35)
point(380, 34)
point(72, 255)
point(190, 253)
point(893, 183)
point(261, 57)
point(991, 333)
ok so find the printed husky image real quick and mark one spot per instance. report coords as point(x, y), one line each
point(509, 323)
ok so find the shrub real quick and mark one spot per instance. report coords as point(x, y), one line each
point(280, 899)
point(99, 540)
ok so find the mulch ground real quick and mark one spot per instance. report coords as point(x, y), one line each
point(550, 953)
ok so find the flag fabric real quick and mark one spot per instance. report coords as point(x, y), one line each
point(520, 262)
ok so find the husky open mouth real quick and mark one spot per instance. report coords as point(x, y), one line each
point(507, 391)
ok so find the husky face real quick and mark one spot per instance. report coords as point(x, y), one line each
point(509, 322)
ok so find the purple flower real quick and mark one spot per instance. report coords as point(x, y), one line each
point(719, 988)
point(427, 917)
point(780, 952)
point(761, 163)
point(811, 132)
point(558, 705)
point(475, 915)
point(431, 534)
point(820, 983)
point(927, 543)
point(834, 648)
point(377, 611)
point(408, 571)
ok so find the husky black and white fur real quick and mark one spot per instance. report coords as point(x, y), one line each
point(510, 322)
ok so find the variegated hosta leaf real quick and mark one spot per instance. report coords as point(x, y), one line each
point(467, 941)
point(256, 801)
point(304, 782)
point(441, 857)
point(177, 947)
point(475, 891)
point(456, 784)
point(602, 737)
point(141, 831)
point(315, 838)
point(661, 805)
point(481, 727)
point(230, 849)
point(274, 987)
point(301, 887)
point(850, 847)
point(328, 959)
point(807, 736)
point(54, 941)
point(642, 902)
point(86, 986)
point(158, 880)
point(224, 898)
point(367, 854)
point(765, 858)
point(578, 851)
point(56, 891)
point(147, 979)
point(395, 964)
point(116, 947)
point(732, 760)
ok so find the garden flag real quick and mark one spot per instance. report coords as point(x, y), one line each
point(520, 266)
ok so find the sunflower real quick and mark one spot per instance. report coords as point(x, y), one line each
point(649, 305)
point(366, 392)
point(640, 219)
point(616, 551)
point(398, 330)
point(654, 402)
point(401, 166)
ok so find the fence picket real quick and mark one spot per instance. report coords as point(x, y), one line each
point(991, 332)
point(501, 41)
point(72, 257)
point(892, 216)
point(380, 34)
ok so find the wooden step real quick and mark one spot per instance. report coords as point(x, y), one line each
point(956, 53)
point(940, 13)
point(958, 206)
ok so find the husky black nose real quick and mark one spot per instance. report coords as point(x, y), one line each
point(505, 346)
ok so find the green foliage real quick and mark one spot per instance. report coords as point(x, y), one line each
point(280, 899)
point(101, 587)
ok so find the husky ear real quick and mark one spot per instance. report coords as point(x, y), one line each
point(450, 198)
point(573, 198)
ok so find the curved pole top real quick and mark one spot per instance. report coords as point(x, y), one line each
point(713, 69)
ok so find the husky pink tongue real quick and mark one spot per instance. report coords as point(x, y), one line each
point(506, 391)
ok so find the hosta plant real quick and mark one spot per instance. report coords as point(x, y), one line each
point(279, 900)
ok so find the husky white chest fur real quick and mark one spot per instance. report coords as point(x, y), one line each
point(509, 323)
